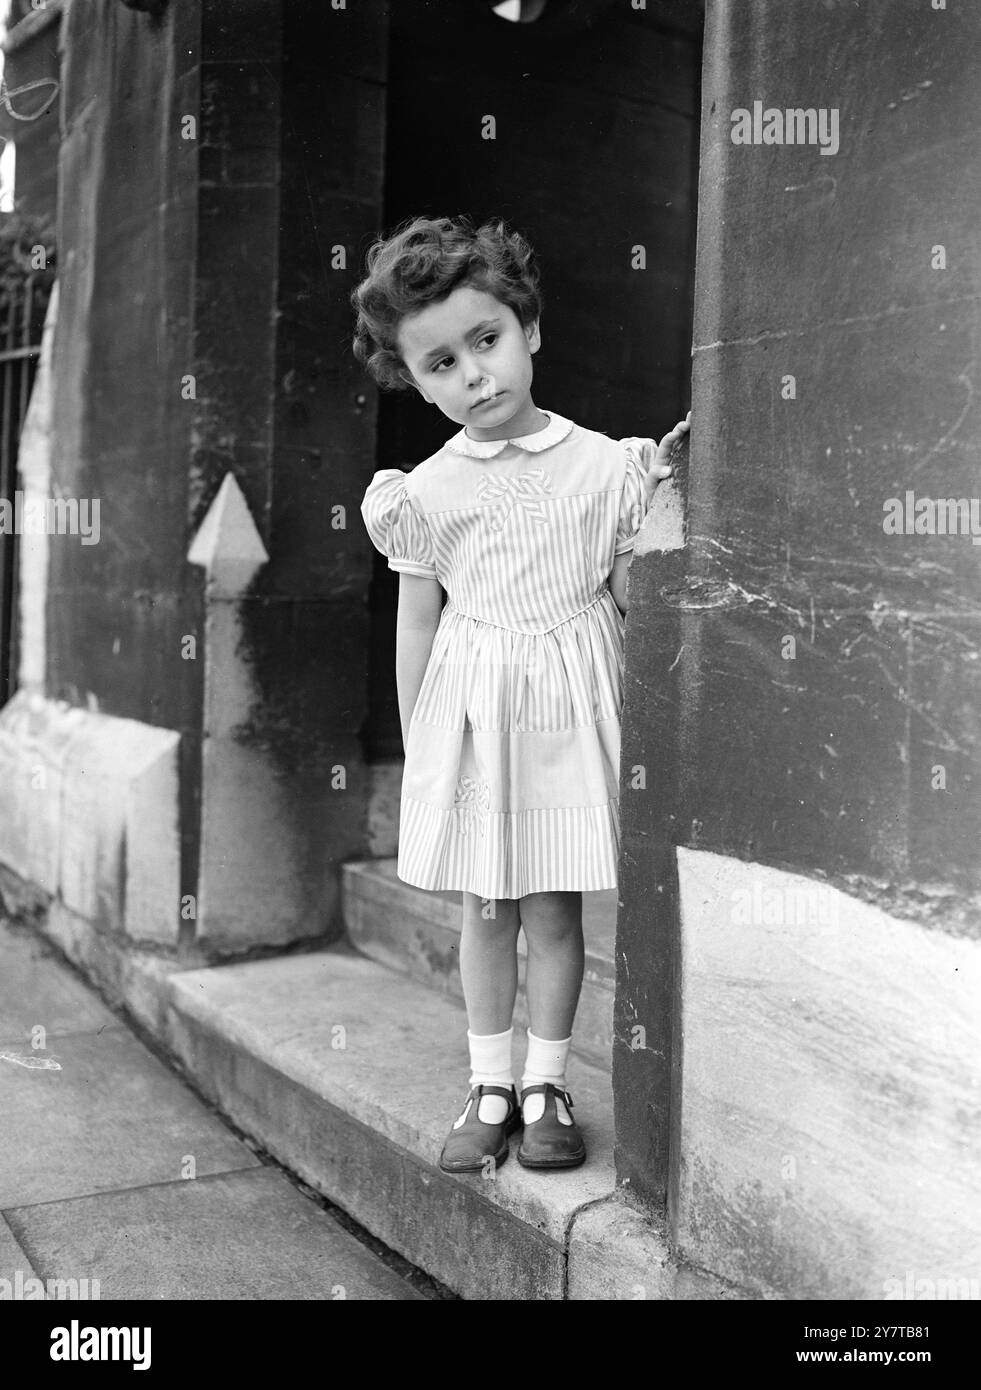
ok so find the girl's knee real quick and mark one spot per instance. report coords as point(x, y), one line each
point(551, 917)
point(553, 904)
point(500, 911)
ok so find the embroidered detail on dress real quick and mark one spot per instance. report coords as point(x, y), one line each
point(471, 803)
point(527, 490)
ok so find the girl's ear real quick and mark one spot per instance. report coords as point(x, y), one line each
point(410, 380)
point(533, 333)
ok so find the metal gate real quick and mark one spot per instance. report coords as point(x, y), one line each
point(21, 321)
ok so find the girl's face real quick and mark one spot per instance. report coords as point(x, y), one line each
point(469, 355)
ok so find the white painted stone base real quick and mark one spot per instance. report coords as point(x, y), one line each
point(89, 813)
point(831, 1089)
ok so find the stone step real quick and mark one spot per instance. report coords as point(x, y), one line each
point(418, 933)
point(350, 1074)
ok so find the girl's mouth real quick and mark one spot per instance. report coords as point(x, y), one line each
point(490, 399)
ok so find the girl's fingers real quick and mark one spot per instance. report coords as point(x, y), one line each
point(681, 428)
point(654, 478)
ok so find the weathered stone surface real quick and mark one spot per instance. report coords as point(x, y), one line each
point(38, 991)
point(290, 1050)
point(761, 504)
point(230, 34)
point(110, 1116)
point(239, 134)
point(120, 426)
point(845, 237)
point(120, 858)
point(236, 287)
point(13, 1261)
point(945, 759)
point(249, 1235)
point(829, 1089)
point(616, 1253)
point(808, 781)
point(34, 738)
point(34, 467)
point(796, 674)
point(135, 980)
point(89, 811)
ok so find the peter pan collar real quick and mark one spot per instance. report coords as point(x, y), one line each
point(557, 428)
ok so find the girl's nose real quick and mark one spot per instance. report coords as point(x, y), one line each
point(473, 374)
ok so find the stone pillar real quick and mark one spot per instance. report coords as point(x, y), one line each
point(799, 943)
point(202, 728)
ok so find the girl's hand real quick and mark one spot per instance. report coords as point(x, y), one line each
point(660, 467)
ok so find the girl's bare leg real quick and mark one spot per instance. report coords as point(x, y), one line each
point(489, 961)
point(552, 925)
point(489, 972)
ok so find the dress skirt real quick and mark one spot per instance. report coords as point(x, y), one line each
point(511, 780)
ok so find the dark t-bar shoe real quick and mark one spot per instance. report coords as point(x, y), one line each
point(468, 1148)
point(548, 1143)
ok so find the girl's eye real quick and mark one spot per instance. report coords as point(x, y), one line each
point(488, 340)
point(442, 362)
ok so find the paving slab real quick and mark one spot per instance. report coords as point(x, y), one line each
point(13, 1260)
point(37, 990)
point(248, 1235)
point(102, 1113)
point(350, 1075)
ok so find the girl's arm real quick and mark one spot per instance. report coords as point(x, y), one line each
point(658, 471)
point(618, 579)
point(420, 606)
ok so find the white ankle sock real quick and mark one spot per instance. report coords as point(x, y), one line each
point(546, 1061)
point(490, 1065)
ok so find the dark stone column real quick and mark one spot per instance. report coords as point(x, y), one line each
point(210, 165)
point(126, 234)
point(803, 686)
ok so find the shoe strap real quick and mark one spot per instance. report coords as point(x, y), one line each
point(493, 1091)
point(544, 1088)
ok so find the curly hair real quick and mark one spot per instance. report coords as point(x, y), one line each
point(424, 261)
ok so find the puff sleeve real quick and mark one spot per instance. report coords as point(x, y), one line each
point(634, 499)
point(397, 526)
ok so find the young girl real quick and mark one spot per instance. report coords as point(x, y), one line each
point(510, 694)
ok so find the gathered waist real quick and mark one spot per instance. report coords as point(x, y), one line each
point(453, 609)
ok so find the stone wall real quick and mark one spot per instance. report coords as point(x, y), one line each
point(205, 407)
point(803, 684)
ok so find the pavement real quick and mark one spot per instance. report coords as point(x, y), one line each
point(118, 1182)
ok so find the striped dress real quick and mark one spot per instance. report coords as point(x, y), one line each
point(511, 778)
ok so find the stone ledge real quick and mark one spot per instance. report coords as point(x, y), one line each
point(348, 1074)
point(615, 1253)
point(137, 981)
